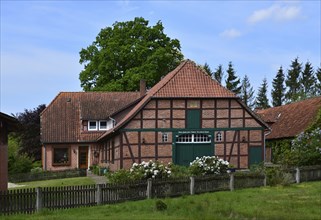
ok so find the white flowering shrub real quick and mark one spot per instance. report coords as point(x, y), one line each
point(306, 148)
point(151, 169)
point(208, 165)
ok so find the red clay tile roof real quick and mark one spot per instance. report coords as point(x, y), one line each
point(61, 120)
point(186, 80)
point(287, 121)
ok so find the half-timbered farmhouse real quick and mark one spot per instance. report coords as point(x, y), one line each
point(185, 115)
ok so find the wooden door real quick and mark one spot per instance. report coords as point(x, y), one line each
point(83, 157)
point(255, 155)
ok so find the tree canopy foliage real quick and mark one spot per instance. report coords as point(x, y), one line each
point(28, 134)
point(128, 51)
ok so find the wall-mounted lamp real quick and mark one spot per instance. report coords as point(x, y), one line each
point(143, 140)
point(243, 139)
point(74, 150)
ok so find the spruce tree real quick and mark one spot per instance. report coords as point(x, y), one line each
point(232, 81)
point(308, 81)
point(219, 73)
point(262, 101)
point(207, 69)
point(278, 89)
point(318, 83)
point(293, 81)
point(247, 92)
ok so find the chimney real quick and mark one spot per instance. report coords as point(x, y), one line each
point(142, 87)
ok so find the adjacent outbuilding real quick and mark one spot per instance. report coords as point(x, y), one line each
point(7, 124)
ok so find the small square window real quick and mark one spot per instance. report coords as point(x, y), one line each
point(92, 126)
point(164, 137)
point(102, 125)
point(219, 136)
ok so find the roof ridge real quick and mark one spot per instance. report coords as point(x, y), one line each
point(169, 76)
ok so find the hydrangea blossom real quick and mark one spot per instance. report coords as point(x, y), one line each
point(151, 170)
point(208, 165)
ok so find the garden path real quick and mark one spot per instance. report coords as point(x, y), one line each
point(96, 178)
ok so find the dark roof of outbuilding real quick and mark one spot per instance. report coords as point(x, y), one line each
point(289, 120)
point(11, 122)
point(61, 120)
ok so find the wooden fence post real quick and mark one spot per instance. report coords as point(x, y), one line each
point(98, 194)
point(39, 199)
point(297, 175)
point(149, 189)
point(231, 181)
point(192, 185)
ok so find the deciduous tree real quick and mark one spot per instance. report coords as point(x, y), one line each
point(128, 51)
point(28, 133)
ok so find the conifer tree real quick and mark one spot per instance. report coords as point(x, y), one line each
point(262, 101)
point(278, 90)
point(247, 92)
point(308, 81)
point(207, 69)
point(219, 73)
point(232, 81)
point(318, 83)
point(293, 81)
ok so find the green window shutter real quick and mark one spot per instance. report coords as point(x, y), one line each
point(193, 118)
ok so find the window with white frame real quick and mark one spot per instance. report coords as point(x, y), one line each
point(102, 125)
point(92, 126)
point(193, 138)
point(218, 136)
point(164, 137)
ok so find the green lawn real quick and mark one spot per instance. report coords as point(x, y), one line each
point(75, 181)
point(299, 201)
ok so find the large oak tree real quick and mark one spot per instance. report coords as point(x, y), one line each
point(128, 51)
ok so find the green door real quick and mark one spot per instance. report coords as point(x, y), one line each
point(255, 155)
point(186, 153)
point(193, 118)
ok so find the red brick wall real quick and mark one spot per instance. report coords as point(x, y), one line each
point(219, 113)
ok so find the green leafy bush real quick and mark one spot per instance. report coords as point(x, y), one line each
point(306, 148)
point(121, 177)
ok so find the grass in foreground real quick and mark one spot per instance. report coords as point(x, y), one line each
point(76, 181)
point(302, 201)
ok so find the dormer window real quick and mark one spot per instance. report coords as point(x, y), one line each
point(102, 125)
point(92, 126)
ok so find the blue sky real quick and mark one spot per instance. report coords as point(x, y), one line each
point(41, 40)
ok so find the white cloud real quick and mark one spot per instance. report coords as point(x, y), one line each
point(231, 33)
point(276, 13)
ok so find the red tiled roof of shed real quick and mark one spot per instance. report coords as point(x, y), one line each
point(289, 120)
point(61, 120)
